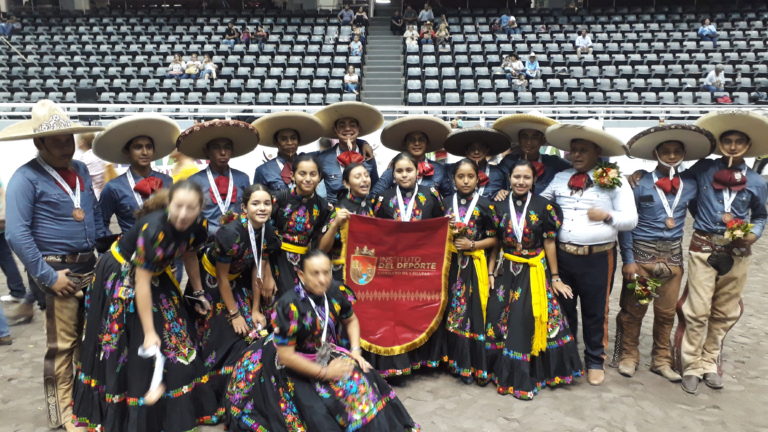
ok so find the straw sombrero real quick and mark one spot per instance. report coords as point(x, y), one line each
point(561, 135)
point(513, 124)
point(368, 117)
point(459, 140)
point(47, 119)
point(163, 131)
point(192, 141)
point(306, 125)
point(393, 135)
point(698, 142)
point(752, 124)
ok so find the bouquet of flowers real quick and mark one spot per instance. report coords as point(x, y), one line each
point(737, 229)
point(644, 288)
point(607, 175)
point(459, 229)
point(255, 334)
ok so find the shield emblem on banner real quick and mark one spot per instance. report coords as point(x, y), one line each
point(363, 267)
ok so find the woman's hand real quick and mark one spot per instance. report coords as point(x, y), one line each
point(342, 215)
point(150, 340)
point(337, 369)
point(364, 365)
point(240, 326)
point(462, 243)
point(259, 320)
point(202, 306)
point(562, 289)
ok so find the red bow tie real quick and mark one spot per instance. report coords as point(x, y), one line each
point(147, 186)
point(287, 173)
point(539, 167)
point(222, 186)
point(669, 186)
point(579, 182)
point(349, 157)
point(70, 176)
point(426, 169)
point(482, 178)
point(732, 179)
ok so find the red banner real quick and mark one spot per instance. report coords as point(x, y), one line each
point(398, 271)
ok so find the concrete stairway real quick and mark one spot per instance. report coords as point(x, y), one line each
point(384, 71)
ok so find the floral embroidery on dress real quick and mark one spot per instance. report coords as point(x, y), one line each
point(244, 379)
point(177, 346)
point(357, 396)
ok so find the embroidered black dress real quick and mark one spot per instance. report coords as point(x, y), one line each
point(263, 396)
point(355, 205)
point(510, 323)
point(112, 379)
point(464, 317)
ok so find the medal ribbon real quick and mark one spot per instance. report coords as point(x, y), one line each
point(670, 211)
point(74, 196)
point(405, 213)
point(132, 183)
point(325, 321)
point(518, 222)
point(223, 207)
point(729, 196)
point(257, 252)
point(470, 209)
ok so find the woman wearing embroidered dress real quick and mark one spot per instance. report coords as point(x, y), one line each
point(235, 278)
point(300, 378)
point(136, 140)
point(300, 217)
point(530, 344)
point(355, 200)
point(473, 223)
point(135, 305)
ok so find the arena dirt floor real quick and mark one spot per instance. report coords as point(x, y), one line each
point(441, 403)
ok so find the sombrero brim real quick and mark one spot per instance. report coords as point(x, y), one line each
point(163, 131)
point(368, 117)
point(459, 140)
point(753, 125)
point(26, 130)
point(192, 141)
point(306, 125)
point(513, 124)
point(561, 135)
point(698, 142)
point(393, 135)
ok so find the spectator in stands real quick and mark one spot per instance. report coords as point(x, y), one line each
point(427, 35)
point(520, 83)
point(532, 68)
point(192, 68)
point(351, 80)
point(346, 15)
point(209, 68)
point(231, 34)
point(411, 32)
point(583, 43)
point(442, 20)
point(508, 23)
point(261, 37)
point(412, 41)
point(715, 80)
point(245, 37)
point(356, 47)
point(6, 29)
point(708, 32)
point(176, 68)
point(513, 67)
point(456, 123)
point(409, 16)
point(396, 24)
point(359, 31)
point(443, 36)
point(361, 18)
point(426, 14)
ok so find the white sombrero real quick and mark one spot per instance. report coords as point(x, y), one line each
point(368, 117)
point(561, 135)
point(754, 125)
point(47, 119)
point(192, 141)
point(163, 132)
point(698, 142)
point(306, 125)
point(459, 140)
point(393, 135)
point(513, 124)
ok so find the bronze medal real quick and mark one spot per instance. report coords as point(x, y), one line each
point(519, 247)
point(670, 222)
point(78, 214)
point(727, 217)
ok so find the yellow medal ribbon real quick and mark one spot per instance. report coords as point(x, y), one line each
point(539, 302)
point(167, 270)
point(481, 270)
point(211, 269)
point(301, 250)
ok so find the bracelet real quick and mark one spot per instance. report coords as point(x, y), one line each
point(472, 246)
point(358, 349)
point(557, 279)
point(233, 316)
point(198, 293)
point(555, 274)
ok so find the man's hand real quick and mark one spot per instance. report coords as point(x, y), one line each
point(597, 214)
point(63, 286)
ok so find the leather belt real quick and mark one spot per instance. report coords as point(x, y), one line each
point(575, 249)
point(76, 258)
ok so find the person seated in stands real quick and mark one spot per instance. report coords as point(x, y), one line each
point(520, 83)
point(409, 16)
point(426, 14)
point(231, 34)
point(359, 31)
point(412, 41)
point(708, 32)
point(532, 68)
point(351, 81)
point(176, 68)
point(583, 43)
point(346, 16)
point(209, 68)
point(715, 80)
point(411, 32)
point(192, 67)
point(443, 36)
point(508, 23)
point(427, 35)
point(361, 18)
point(356, 47)
point(512, 67)
point(442, 20)
point(245, 37)
point(6, 26)
point(396, 24)
point(261, 37)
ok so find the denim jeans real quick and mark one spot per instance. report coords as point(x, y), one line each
point(230, 42)
point(4, 330)
point(12, 274)
point(712, 89)
point(350, 88)
point(6, 29)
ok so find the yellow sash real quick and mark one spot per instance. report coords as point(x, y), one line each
point(119, 258)
point(338, 261)
point(288, 247)
point(539, 302)
point(481, 270)
point(211, 269)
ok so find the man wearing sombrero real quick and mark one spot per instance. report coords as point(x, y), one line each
point(346, 121)
point(730, 216)
point(52, 223)
point(287, 131)
point(219, 141)
point(477, 144)
point(654, 248)
point(596, 205)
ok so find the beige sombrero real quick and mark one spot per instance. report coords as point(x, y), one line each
point(163, 131)
point(368, 117)
point(192, 141)
point(698, 142)
point(306, 125)
point(513, 124)
point(393, 135)
point(47, 119)
point(561, 135)
point(750, 123)
point(460, 139)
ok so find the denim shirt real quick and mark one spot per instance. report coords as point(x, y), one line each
point(498, 179)
point(552, 165)
point(268, 174)
point(118, 199)
point(331, 170)
point(440, 180)
point(211, 211)
point(39, 219)
point(651, 216)
point(708, 208)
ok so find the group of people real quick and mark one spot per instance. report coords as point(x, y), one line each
point(264, 334)
point(192, 68)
